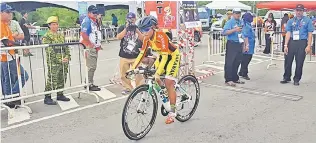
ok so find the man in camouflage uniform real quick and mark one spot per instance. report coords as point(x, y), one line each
point(57, 58)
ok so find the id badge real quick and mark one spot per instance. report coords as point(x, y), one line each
point(296, 35)
point(131, 45)
point(240, 38)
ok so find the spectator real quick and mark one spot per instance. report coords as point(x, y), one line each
point(299, 39)
point(15, 28)
point(249, 45)
point(269, 26)
point(114, 20)
point(25, 27)
point(232, 30)
point(283, 25)
point(258, 21)
point(91, 38)
point(57, 61)
point(9, 70)
point(130, 44)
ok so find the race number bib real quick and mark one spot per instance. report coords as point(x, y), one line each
point(296, 35)
point(240, 38)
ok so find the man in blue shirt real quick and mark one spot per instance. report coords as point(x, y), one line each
point(232, 30)
point(298, 42)
point(114, 20)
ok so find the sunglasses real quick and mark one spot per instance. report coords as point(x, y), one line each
point(94, 12)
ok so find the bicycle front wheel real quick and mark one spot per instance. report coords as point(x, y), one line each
point(143, 101)
point(187, 100)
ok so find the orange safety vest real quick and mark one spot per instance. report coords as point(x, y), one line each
point(6, 32)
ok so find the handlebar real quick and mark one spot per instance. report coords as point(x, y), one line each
point(147, 72)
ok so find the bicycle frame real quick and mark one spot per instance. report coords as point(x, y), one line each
point(151, 89)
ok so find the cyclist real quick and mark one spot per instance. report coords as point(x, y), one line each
point(167, 62)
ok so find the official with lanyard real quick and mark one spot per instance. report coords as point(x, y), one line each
point(234, 48)
point(298, 42)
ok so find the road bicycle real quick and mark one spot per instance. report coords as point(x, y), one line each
point(151, 90)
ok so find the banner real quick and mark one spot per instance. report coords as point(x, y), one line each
point(164, 11)
point(190, 12)
point(82, 9)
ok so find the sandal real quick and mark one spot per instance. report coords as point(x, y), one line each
point(230, 83)
point(239, 82)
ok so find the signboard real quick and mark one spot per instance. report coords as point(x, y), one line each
point(164, 11)
point(82, 9)
point(190, 12)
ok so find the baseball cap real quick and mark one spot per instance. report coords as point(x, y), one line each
point(130, 15)
point(6, 7)
point(229, 12)
point(299, 7)
point(52, 19)
point(237, 10)
point(93, 9)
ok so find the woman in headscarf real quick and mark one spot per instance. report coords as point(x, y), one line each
point(269, 26)
point(249, 45)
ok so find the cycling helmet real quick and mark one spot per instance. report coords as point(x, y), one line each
point(146, 23)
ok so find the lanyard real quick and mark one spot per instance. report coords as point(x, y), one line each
point(299, 25)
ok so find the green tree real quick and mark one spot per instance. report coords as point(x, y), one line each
point(120, 14)
point(202, 3)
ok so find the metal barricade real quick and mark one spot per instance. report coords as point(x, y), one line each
point(71, 35)
point(109, 34)
point(312, 56)
point(37, 76)
point(216, 46)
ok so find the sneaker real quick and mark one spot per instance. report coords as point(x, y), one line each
point(62, 98)
point(126, 92)
point(170, 118)
point(94, 88)
point(49, 101)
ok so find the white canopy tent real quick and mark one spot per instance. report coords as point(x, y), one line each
point(227, 5)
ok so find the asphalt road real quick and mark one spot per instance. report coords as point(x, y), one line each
point(262, 110)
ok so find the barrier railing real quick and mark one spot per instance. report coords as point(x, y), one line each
point(44, 78)
point(216, 46)
point(109, 34)
point(312, 56)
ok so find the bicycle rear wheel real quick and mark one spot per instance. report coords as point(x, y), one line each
point(186, 98)
point(141, 109)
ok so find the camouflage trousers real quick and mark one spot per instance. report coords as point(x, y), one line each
point(57, 76)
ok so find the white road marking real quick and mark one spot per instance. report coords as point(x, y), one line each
point(68, 105)
point(19, 115)
point(202, 71)
point(212, 66)
point(263, 93)
point(260, 60)
point(61, 114)
point(54, 97)
point(105, 94)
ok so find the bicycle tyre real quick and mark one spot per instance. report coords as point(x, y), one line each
point(137, 136)
point(197, 89)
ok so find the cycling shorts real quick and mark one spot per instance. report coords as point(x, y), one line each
point(171, 68)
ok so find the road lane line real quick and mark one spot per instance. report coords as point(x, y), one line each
point(41, 100)
point(61, 114)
